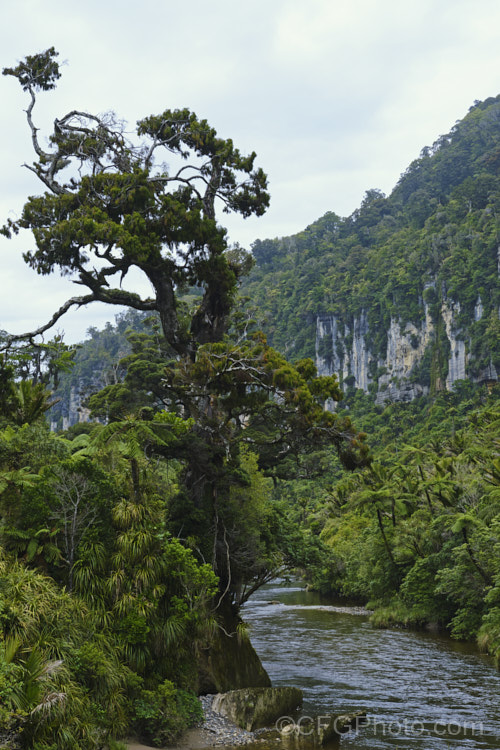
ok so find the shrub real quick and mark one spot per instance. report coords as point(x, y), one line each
point(162, 715)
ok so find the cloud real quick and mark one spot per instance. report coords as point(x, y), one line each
point(336, 96)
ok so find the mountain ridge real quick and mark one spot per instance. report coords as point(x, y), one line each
point(401, 297)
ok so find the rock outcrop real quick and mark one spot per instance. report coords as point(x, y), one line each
point(230, 662)
point(347, 350)
point(254, 708)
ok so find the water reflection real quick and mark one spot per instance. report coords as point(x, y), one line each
point(421, 691)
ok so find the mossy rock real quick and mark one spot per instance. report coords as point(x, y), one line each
point(231, 662)
point(254, 708)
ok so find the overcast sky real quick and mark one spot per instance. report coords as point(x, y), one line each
point(335, 96)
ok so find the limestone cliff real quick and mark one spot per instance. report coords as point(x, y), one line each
point(402, 297)
point(346, 350)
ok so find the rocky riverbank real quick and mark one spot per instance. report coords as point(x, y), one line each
point(251, 707)
point(217, 730)
point(214, 731)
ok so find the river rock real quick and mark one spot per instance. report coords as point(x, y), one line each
point(307, 733)
point(336, 725)
point(253, 708)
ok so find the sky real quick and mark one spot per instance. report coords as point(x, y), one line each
point(336, 97)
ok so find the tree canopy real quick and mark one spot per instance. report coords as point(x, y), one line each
point(111, 204)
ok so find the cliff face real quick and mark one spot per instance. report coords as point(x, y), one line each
point(401, 375)
point(70, 410)
point(401, 298)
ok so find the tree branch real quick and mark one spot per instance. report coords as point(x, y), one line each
point(34, 138)
point(110, 296)
point(78, 301)
point(47, 181)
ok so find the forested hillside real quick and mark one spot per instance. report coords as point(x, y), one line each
point(129, 544)
point(401, 300)
point(206, 463)
point(403, 295)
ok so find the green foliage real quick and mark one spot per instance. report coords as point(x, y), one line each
point(489, 633)
point(140, 604)
point(42, 630)
point(417, 534)
point(434, 239)
point(38, 72)
point(162, 715)
point(257, 402)
point(91, 514)
point(21, 402)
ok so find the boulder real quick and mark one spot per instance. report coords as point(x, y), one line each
point(336, 725)
point(307, 733)
point(254, 708)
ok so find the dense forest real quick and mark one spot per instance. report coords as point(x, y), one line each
point(129, 545)
point(405, 533)
point(428, 250)
point(204, 462)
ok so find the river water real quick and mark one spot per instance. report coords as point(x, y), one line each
point(421, 691)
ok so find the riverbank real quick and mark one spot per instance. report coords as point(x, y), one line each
point(218, 730)
point(215, 731)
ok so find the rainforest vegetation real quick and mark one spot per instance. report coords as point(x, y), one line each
point(415, 535)
point(129, 547)
point(205, 462)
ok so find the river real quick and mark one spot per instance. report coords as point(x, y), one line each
point(421, 691)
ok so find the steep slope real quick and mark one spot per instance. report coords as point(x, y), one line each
point(402, 297)
point(96, 365)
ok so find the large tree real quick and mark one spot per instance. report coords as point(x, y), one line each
point(111, 205)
